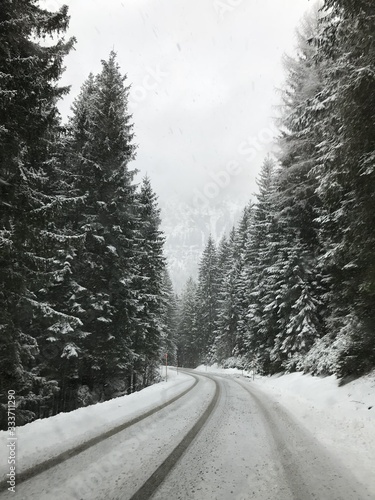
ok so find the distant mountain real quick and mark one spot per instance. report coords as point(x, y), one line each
point(187, 227)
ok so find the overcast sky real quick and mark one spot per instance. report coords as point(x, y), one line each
point(203, 75)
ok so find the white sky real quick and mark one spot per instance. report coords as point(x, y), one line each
point(204, 74)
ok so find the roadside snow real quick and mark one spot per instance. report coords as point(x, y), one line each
point(44, 439)
point(341, 418)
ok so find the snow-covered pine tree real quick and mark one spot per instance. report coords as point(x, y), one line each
point(207, 298)
point(188, 350)
point(241, 268)
point(300, 133)
point(233, 294)
point(59, 342)
point(347, 175)
point(81, 126)
point(300, 322)
point(148, 328)
point(169, 318)
point(28, 241)
point(298, 292)
point(224, 251)
point(105, 270)
point(226, 324)
point(262, 251)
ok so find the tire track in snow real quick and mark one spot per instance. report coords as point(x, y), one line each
point(310, 469)
point(154, 481)
point(66, 455)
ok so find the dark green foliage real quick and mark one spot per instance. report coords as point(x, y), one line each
point(226, 324)
point(100, 149)
point(188, 348)
point(345, 168)
point(83, 292)
point(152, 292)
point(169, 318)
point(207, 300)
point(296, 286)
point(30, 202)
point(121, 267)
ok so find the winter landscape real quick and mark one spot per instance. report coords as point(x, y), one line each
point(187, 234)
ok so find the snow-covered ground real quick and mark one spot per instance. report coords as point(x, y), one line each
point(342, 418)
point(116, 467)
point(47, 438)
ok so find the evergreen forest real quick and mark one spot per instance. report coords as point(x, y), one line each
point(88, 309)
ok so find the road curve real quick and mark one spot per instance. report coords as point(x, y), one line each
point(224, 440)
point(66, 455)
point(149, 487)
point(252, 449)
point(118, 466)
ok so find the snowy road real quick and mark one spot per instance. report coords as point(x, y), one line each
point(223, 440)
point(252, 449)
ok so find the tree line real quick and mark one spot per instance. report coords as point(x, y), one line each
point(292, 287)
point(86, 300)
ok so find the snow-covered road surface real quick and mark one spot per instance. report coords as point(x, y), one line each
point(118, 466)
point(249, 448)
point(46, 439)
point(252, 449)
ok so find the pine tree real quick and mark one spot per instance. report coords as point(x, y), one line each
point(105, 269)
point(148, 327)
point(299, 122)
point(241, 267)
point(169, 319)
point(262, 251)
point(225, 326)
point(233, 294)
point(188, 349)
point(207, 296)
point(59, 342)
point(298, 248)
point(29, 130)
point(346, 174)
point(300, 322)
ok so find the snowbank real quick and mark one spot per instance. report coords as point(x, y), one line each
point(341, 418)
point(43, 439)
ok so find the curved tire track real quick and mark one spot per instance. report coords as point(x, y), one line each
point(154, 481)
point(66, 455)
point(310, 469)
